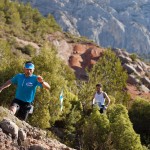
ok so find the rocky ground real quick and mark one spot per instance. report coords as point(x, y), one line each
point(19, 135)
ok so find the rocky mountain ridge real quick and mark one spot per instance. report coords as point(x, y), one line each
point(110, 23)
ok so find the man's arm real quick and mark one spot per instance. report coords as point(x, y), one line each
point(44, 84)
point(93, 99)
point(108, 99)
point(5, 85)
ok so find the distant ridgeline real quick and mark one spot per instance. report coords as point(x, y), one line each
point(111, 23)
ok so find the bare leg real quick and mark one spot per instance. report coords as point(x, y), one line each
point(13, 109)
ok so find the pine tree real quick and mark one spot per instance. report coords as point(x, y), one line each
point(139, 114)
point(49, 66)
point(96, 132)
point(123, 135)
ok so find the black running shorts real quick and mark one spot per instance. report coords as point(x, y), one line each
point(23, 109)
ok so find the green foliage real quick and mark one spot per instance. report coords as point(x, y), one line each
point(86, 91)
point(96, 132)
point(139, 115)
point(41, 116)
point(4, 53)
point(123, 135)
point(71, 125)
point(10, 66)
point(2, 19)
point(29, 50)
point(25, 22)
point(133, 57)
point(52, 70)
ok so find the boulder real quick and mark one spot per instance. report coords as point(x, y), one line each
point(133, 80)
point(146, 81)
point(96, 53)
point(143, 88)
point(130, 69)
point(79, 49)
point(36, 147)
point(139, 69)
point(143, 65)
point(125, 59)
point(9, 127)
point(75, 60)
point(22, 135)
point(37, 140)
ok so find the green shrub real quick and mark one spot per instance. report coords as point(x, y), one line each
point(96, 132)
point(29, 50)
point(139, 115)
point(133, 57)
point(123, 135)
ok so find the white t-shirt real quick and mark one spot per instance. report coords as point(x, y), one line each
point(99, 98)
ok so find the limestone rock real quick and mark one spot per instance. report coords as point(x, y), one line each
point(110, 23)
point(10, 127)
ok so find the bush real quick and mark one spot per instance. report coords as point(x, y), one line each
point(133, 57)
point(29, 50)
point(123, 135)
point(139, 115)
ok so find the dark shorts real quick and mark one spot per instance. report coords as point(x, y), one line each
point(23, 109)
point(102, 109)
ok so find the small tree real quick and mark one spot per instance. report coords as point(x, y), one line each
point(123, 135)
point(50, 67)
point(139, 114)
point(96, 132)
point(10, 65)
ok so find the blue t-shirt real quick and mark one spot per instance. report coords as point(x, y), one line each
point(26, 87)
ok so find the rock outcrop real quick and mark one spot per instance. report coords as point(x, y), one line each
point(19, 135)
point(138, 71)
point(110, 23)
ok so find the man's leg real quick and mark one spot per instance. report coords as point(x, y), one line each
point(102, 109)
point(24, 112)
point(14, 107)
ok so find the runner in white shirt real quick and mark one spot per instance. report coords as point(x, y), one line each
point(100, 97)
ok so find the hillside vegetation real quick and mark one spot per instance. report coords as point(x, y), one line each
point(78, 125)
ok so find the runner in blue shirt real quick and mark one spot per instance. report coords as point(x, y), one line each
point(27, 84)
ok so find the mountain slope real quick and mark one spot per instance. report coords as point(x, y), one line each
point(111, 23)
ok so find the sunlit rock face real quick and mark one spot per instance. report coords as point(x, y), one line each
point(110, 23)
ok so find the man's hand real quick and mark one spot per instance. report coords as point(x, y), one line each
point(40, 79)
point(44, 84)
point(105, 107)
